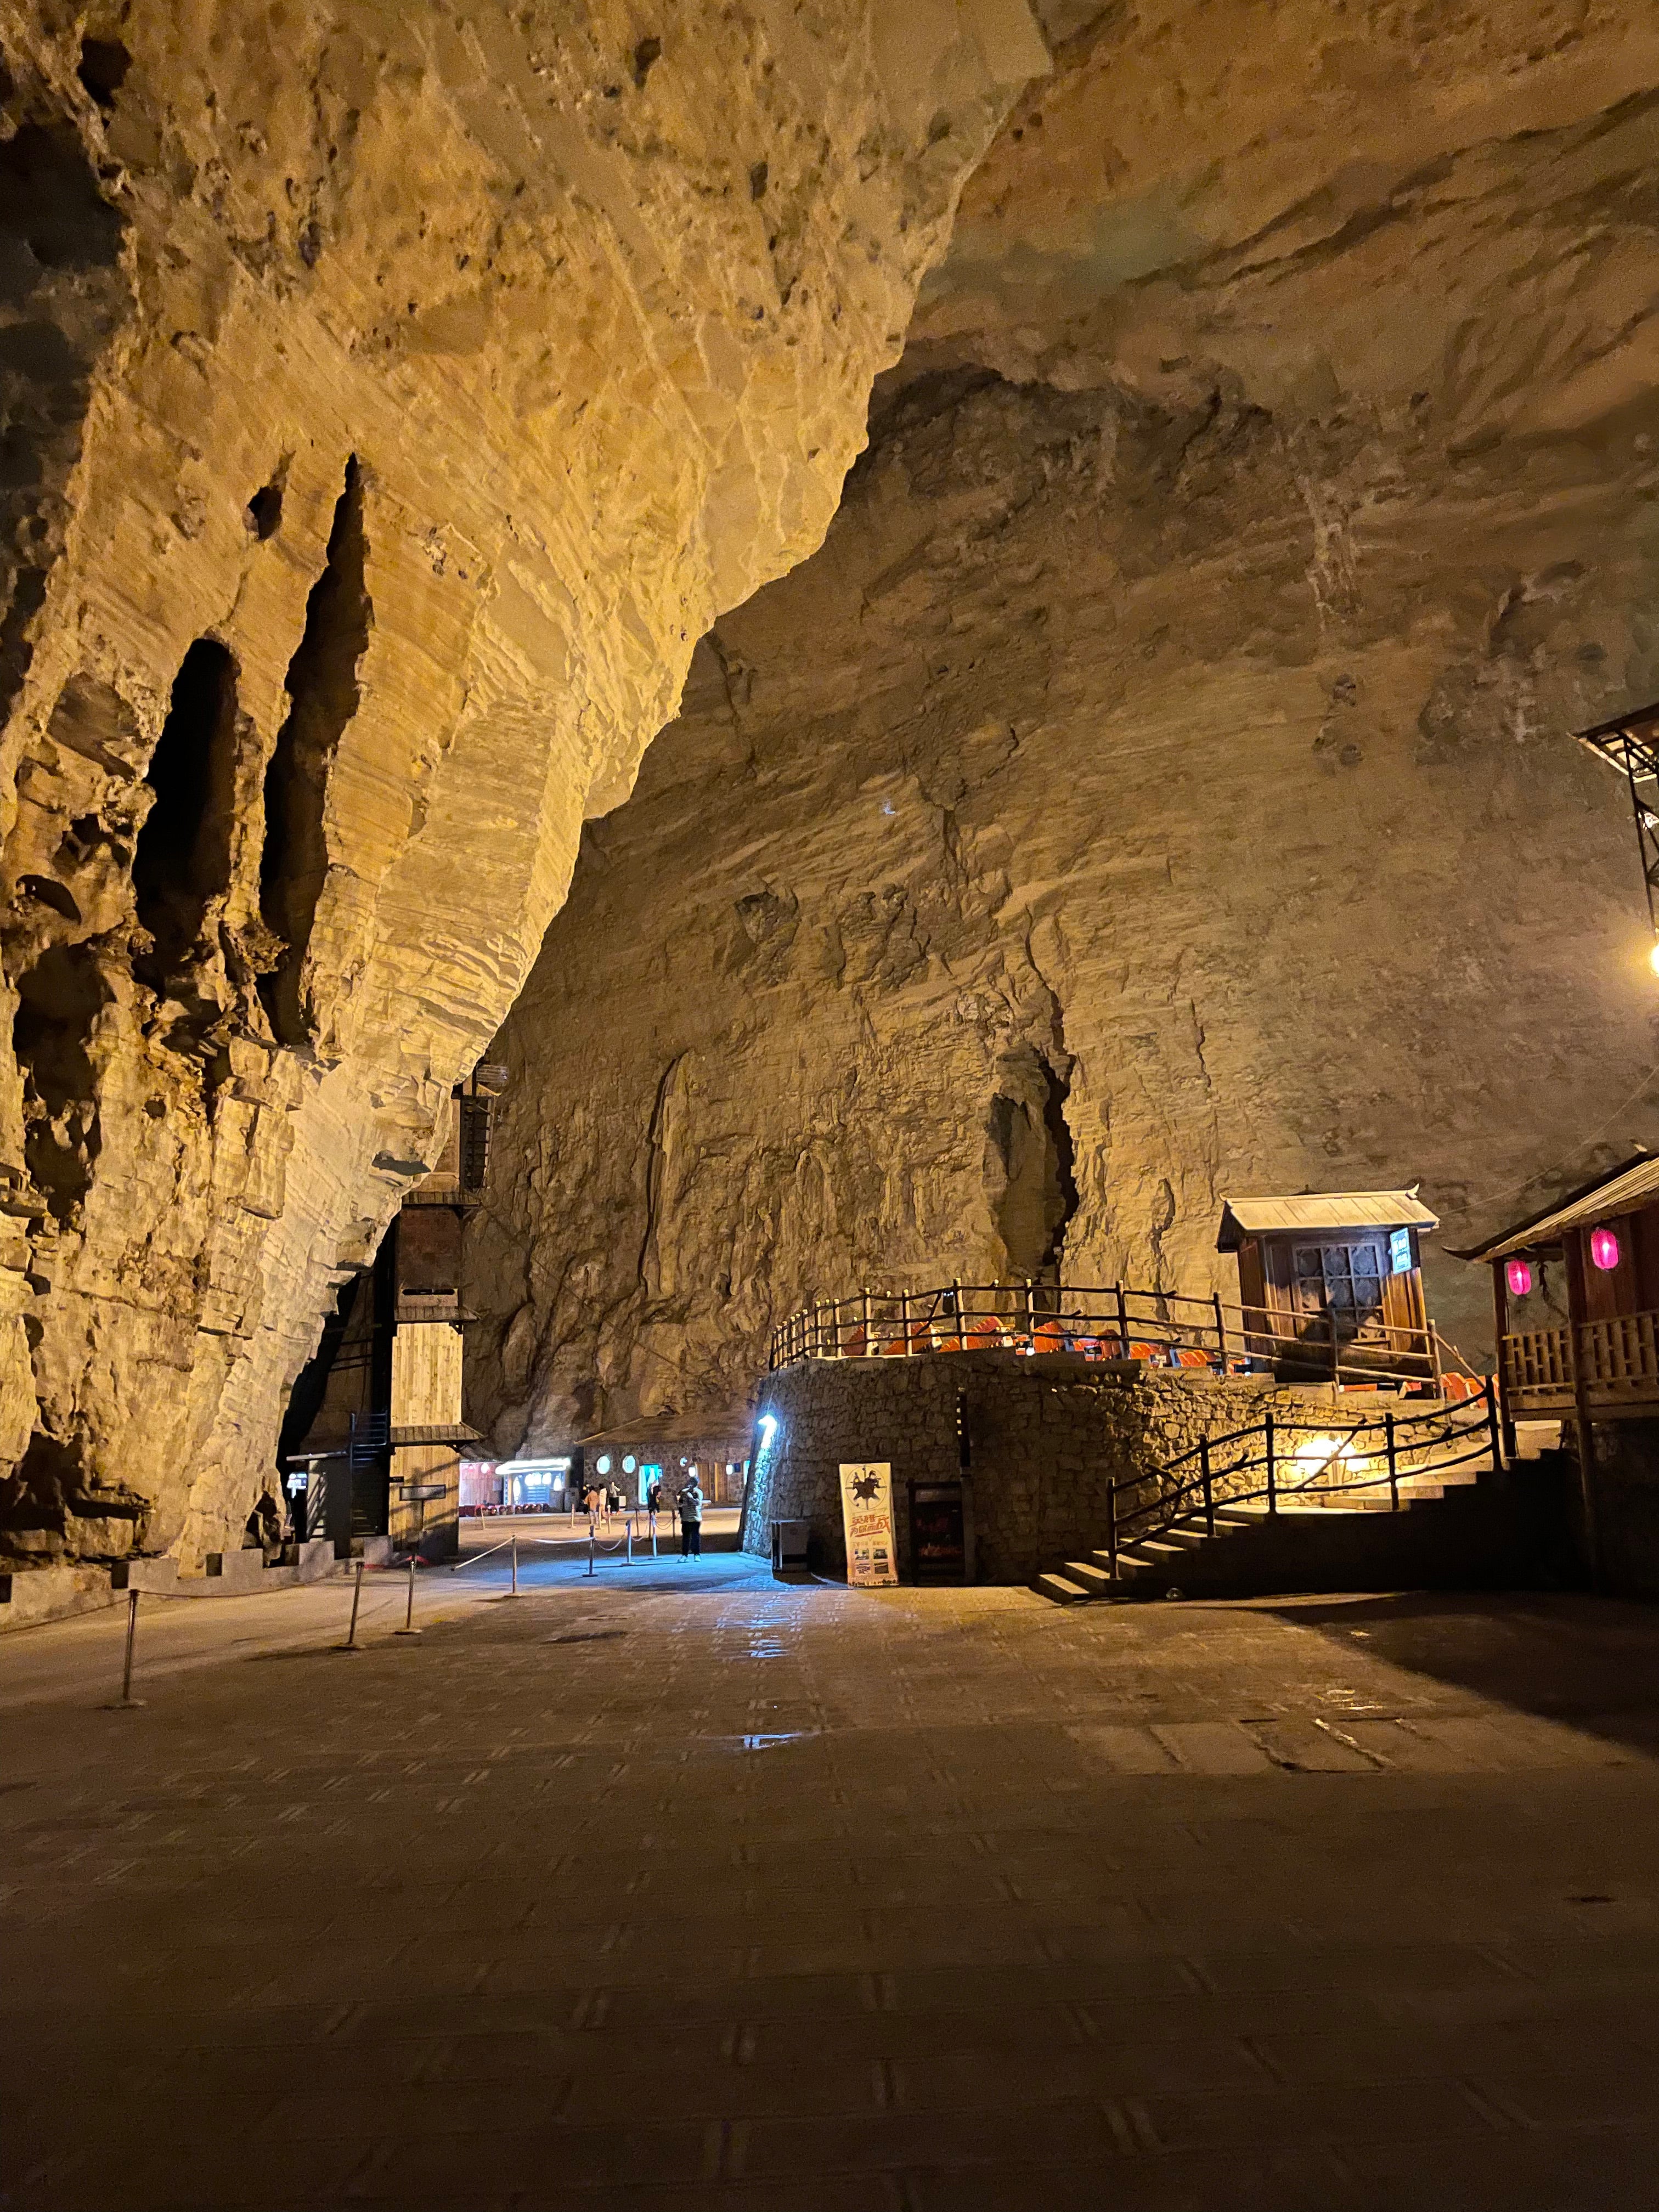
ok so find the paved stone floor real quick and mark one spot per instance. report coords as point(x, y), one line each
point(679, 1889)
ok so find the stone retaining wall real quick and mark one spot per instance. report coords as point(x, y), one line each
point(1048, 1436)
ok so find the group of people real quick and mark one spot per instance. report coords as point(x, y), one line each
point(602, 1500)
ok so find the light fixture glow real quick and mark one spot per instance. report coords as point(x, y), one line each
point(1653, 959)
point(629, 1463)
point(768, 1429)
point(1518, 1275)
point(602, 1464)
point(1604, 1249)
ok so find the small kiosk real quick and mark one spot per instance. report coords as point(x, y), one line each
point(1331, 1284)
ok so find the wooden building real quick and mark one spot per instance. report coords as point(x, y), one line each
point(1598, 1359)
point(373, 1441)
point(1330, 1283)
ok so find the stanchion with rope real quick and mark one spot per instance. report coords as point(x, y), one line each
point(409, 1627)
point(351, 1643)
point(126, 1703)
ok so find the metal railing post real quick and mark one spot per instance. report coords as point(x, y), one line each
point(1493, 1433)
point(869, 1341)
point(1434, 1357)
point(1221, 1336)
point(1030, 1315)
point(515, 1563)
point(1122, 1322)
point(1393, 1463)
point(904, 1322)
point(628, 1525)
point(1209, 1488)
point(1336, 1356)
point(126, 1703)
point(409, 1627)
point(351, 1644)
point(1111, 1527)
point(955, 1307)
point(590, 1547)
point(1273, 1489)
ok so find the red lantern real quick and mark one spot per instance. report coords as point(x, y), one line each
point(1519, 1276)
point(1604, 1249)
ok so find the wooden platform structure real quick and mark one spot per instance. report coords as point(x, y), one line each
point(1597, 1253)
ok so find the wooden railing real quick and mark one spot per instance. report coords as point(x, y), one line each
point(1112, 1321)
point(1617, 1360)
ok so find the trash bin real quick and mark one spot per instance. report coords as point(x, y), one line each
point(789, 1542)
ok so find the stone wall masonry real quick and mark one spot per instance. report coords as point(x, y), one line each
point(1048, 1436)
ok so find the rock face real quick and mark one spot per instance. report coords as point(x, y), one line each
point(1159, 784)
point(393, 397)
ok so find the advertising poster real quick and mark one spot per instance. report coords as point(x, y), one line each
point(866, 1505)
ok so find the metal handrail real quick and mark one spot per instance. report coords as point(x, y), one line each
point(1029, 1317)
point(1475, 1428)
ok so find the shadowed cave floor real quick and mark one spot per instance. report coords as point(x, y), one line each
point(716, 1894)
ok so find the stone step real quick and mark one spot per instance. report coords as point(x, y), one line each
point(1096, 1580)
point(1060, 1588)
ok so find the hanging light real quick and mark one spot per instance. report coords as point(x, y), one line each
point(1518, 1275)
point(1653, 958)
point(1604, 1249)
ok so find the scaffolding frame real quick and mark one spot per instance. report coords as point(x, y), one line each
point(1630, 746)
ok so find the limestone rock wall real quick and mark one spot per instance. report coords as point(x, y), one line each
point(392, 398)
point(1159, 784)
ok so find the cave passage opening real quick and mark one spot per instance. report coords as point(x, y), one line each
point(1030, 1165)
point(182, 860)
point(323, 694)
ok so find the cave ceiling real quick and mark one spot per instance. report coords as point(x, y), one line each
point(1160, 781)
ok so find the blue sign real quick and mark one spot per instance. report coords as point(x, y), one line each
point(1400, 1251)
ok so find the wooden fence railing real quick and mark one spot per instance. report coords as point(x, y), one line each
point(1616, 1360)
point(1111, 1321)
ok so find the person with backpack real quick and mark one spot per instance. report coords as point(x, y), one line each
point(690, 1504)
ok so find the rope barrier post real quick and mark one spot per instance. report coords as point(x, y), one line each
point(1111, 1527)
point(1394, 1462)
point(409, 1627)
point(590, 1547)
point(1273, 1491)
point(1209, 1488)
point(515, 1563)
point(126, 1703)
point(628, 1524)
point(351, 1644)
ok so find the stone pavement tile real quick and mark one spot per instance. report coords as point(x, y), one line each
point(1212, 1747)
point(1603, 2091)
point(1093, 2071)
point(1285, 2181)
point(142, 2169)
point(1483, 1743)
point(777, 2147)
point(613, 2157)
point(943, 1989)
point(1303, 1747)
point(1531, 2170)
point(990, 2031)
point(1359, 1968)
point(1264, 2118)
point(651, 2007)
point(745, 2080)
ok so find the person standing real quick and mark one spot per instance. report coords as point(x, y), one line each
point(691, 1519)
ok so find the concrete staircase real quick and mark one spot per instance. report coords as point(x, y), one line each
point(1347, 1540)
